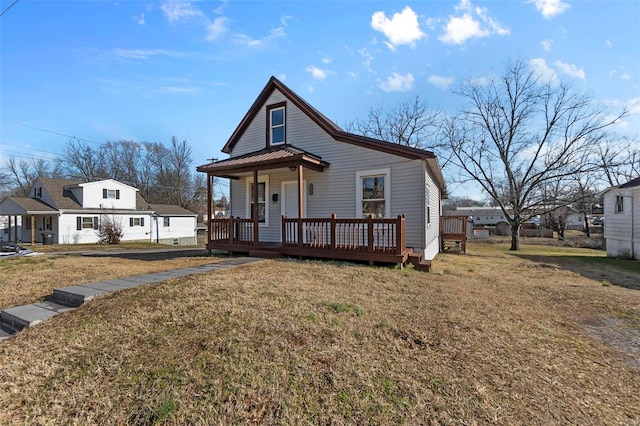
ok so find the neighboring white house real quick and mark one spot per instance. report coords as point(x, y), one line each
point(622, 227)
point(308, 167)
point(483, 215)
point(61, 211)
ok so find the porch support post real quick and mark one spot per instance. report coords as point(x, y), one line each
point(9, 229)
point(15, 229)
point(300, 194)
point(33, 230)
point(210, 199)
point(255, 208)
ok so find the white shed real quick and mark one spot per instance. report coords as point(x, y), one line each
point(622, 225)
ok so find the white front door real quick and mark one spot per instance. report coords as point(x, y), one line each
point(290, 206)
point(290, 200)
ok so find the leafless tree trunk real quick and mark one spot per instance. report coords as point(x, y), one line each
point(518, 133)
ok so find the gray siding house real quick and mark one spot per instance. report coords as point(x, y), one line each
point(355, 196)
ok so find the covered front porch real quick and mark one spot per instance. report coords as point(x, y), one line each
point(363, 239)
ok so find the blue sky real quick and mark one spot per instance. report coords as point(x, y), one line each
point(150, 70)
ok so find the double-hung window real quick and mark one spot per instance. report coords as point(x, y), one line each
point(276, 118)
point(111, 193)
point(136, 221)
point(86, 222)
point(373, 191)
point(619, 204)
point(263, 205)
point(165, 222)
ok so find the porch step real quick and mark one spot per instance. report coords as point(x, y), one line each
point(25, 316)
point(418, 263)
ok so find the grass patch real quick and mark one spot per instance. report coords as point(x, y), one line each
point(500, 339)
point(30, 279)
point(344, 307)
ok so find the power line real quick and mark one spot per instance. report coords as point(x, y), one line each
point(10, 6)
point(61, 134)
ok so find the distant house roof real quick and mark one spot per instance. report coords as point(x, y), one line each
point(171, 210)
point(631, 183)
point(62, 198)
point(29, 205)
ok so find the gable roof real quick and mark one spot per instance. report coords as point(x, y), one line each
point(62, 197)
point(21, 205)
point(631, 183)
point(327, 125)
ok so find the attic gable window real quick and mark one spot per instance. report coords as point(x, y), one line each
point(276, 119)
point(111, 193)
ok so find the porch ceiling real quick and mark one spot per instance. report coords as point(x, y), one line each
point(274, 157)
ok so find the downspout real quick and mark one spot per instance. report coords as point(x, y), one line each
point(631, 225)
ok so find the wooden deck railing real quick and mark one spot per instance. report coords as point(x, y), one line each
point(453, 229)
point(367, 235)
point(380, 237)
point(232, 231)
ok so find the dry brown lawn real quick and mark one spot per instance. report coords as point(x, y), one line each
point(496, 338)
point(29, 279)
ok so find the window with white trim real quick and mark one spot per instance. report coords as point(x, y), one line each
point(263, 205)
point(619, 204)
point(373, 193)
point(165, 222)
point(277, 125)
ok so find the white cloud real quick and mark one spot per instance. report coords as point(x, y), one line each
point(217, 28)
point(284, 20)
point(625, 76)
point(402, 28)
point(397, 83)
point(366, 59)
point(177, 10)
point(546, 44)
point(608, 43)
point(440, 81)
point(326, 59)
point(474, 22)
point(550, 8)
point(317, 73)
point(542, 70)
point(570, 70)
point(139, 19)
point(144, 54)
point(253, 43)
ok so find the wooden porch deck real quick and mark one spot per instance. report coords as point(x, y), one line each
point(369, 239)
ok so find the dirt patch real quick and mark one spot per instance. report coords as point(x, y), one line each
point(622, 334)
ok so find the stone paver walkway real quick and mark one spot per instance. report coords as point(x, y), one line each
point(65, 299)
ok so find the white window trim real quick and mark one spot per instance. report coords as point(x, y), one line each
point(284, 195)
point(387, 189)
point(267, 200)
point(283, 125)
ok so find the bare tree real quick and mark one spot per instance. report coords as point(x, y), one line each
point(619, 160)
point(19, 176)
point(412, 123)
point(83, 162)
point(519, 133)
